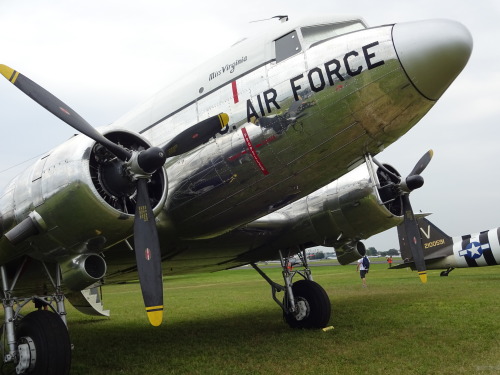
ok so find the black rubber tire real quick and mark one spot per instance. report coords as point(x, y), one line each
point(318, 302)
point(51, 339)
point(443, 273)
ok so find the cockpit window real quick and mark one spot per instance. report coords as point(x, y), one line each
point(286, 46)
point(315, 34)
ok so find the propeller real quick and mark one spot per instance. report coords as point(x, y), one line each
point(413, 181)
point(61, 110)
point(139, 165)
point(148, 255)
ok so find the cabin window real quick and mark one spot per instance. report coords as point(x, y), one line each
point(287, 46)
point(315, 34)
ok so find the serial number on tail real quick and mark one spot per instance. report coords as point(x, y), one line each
point(428, 245)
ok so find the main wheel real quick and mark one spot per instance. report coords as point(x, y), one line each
point(313, 306)
point(46, 338)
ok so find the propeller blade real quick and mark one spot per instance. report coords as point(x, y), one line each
point(413, 238)
point(148, 255)
point(60, 109)
point(196, 135)
point(422, 163)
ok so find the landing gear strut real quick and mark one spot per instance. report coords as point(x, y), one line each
point(305, 303)
point(38, 343)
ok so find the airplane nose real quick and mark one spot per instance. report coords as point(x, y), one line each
point(432, 53)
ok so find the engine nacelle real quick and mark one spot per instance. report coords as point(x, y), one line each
point(352, 208)
point(82, 271)
point(350, 252)
point(77, 192)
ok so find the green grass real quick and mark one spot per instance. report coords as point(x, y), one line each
point(226, 323)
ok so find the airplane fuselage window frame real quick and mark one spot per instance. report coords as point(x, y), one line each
point(287, 46)
point(313, 35)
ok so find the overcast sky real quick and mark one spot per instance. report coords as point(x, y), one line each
point(103, 57)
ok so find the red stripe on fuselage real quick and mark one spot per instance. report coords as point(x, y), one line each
point(253, 152)
point(235, 92)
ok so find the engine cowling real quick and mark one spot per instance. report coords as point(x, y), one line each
point(80, 193)
point(353, 208)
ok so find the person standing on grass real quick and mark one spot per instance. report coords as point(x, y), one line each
point(363, 267)
point(389, 260)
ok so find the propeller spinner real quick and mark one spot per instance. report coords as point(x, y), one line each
point(140, 165)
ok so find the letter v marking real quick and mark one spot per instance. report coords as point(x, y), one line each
point(428, 234)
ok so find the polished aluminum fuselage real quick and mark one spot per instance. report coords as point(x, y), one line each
point(257, 168)
point(295, 126)
point(345, 211)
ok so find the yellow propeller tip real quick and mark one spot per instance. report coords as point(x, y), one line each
point(155, 315)
point(9, 73)
point(6, 71)
point(423, 276)
point(224, 119)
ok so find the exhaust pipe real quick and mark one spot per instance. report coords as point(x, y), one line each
point(82, 271)
point(350, 252)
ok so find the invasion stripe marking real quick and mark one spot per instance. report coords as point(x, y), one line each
point(485, 246)
point(487, 252)
point(494, 239)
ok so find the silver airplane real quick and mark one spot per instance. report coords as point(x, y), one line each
point(248, 158)
point(445, 252)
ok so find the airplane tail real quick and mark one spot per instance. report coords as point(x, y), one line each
point(435, 242)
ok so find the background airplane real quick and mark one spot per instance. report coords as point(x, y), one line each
point(444, 252)
point(68, 217)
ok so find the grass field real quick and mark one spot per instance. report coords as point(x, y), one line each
point(227, 323)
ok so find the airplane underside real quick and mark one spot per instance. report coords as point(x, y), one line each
point(40, 341)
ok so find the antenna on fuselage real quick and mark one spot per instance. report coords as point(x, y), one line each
point(281, 18)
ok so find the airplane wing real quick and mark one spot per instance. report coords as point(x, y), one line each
point(334, 216)
point(248, 158)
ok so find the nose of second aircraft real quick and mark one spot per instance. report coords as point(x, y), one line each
point(432, 53)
